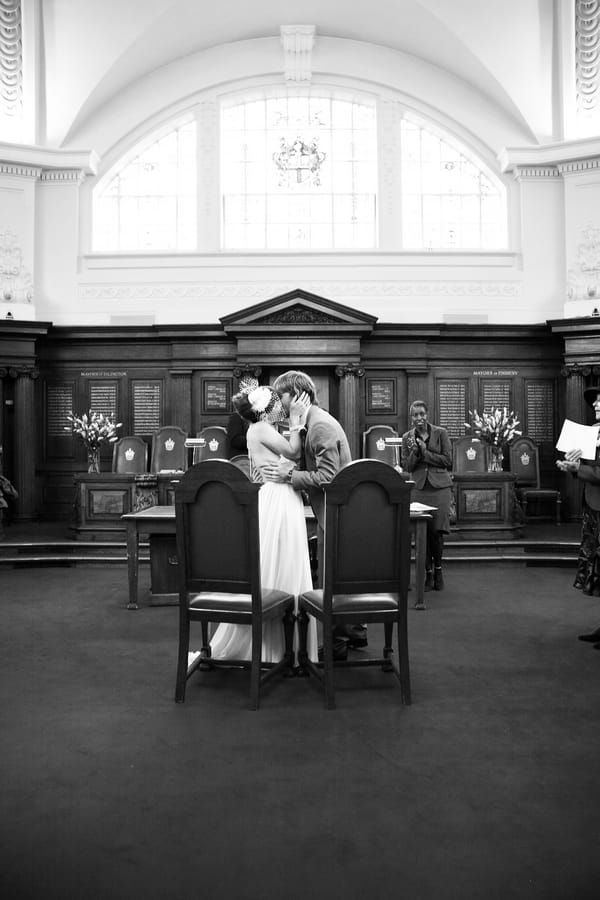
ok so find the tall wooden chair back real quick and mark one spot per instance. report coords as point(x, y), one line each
point(468, 456)
point(130, 456)
point(218, 552)
point(374, 446)
point(366, 569)
point(169, 453)
point(217, 444)
point(525, 465)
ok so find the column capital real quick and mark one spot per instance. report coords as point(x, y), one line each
point(575, 369)
point(22, 371)
point(349, 370)
point(243, 371)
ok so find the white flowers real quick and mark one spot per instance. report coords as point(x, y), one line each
point(93, 428)
point(498, 427)
point(260, 398)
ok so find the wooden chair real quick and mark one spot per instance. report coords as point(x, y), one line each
point(217, 445)
point(366, 570)
point(130, 456)
point(525, 464)
point(374, 446)
point(218, 552)
point(169, 453)
point(468, 456)
point(242, 461)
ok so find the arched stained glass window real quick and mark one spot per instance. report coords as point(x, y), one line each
point(450, 201)
point(148, 201)
point(299, 173)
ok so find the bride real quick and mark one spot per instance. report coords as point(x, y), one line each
point(284, 560)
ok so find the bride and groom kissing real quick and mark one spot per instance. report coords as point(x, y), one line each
point(316, 450)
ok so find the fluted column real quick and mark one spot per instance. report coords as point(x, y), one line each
point(25, 443)
point(349, 406)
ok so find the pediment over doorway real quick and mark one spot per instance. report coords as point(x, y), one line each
point(299, 311)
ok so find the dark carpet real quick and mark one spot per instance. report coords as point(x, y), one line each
point(486, 787)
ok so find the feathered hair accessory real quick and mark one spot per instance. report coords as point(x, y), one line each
point(266, 404)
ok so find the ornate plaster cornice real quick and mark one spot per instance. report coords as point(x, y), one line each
point(578, 165)
point(62, 176)
point(19, 170)
point(521, 173)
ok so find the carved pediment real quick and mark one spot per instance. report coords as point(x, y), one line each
point(297, 315)
point(299, 308)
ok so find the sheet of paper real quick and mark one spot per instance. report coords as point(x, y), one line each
point(420, 507)
point(578, 437)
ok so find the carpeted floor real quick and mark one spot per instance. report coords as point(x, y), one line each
point(486, 787)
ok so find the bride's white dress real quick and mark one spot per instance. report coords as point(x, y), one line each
point(284, 565)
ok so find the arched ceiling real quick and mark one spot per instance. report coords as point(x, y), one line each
point(92, 50)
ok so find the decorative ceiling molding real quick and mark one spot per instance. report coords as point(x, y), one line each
point(21, 171)
point(61, 176)
point(297, 42)
point(587, 58)
point(250, 290)
point(11, 59)
point(521, 173)
point(578, 165)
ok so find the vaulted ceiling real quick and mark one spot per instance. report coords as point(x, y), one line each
point(92, 50)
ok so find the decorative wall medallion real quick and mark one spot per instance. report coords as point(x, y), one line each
point(129, 454)
point(15, 280)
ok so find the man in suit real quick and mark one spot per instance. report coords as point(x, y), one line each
point(326, 450)
point(427, 455)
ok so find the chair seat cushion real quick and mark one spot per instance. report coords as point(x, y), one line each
point(223, 601)
point(354, 603)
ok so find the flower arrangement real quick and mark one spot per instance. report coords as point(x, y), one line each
point(93, 428)
point(496, 428)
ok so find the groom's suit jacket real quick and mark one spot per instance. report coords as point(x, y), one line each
point(326, 450)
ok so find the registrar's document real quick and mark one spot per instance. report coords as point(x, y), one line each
point(578, 437)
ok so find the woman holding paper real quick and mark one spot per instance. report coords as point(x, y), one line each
point(587, 470)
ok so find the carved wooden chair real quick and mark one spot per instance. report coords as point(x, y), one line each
point(374, 446)
point(366, 570)
point(218, 552)
point(169, 453)
point(217, 444)
point(468, 456)
point(130, 456)
point(525, 464)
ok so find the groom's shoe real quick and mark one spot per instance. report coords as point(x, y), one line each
point(592, 637)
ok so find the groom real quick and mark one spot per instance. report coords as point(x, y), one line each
point(326, 450)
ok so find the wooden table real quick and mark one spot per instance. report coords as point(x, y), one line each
point(160, 520)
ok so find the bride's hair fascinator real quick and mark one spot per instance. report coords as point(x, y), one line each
point(259, 403)
point(266, 404)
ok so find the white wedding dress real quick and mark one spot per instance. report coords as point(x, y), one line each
point(284, 565)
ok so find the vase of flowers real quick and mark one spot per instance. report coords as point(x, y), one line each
point(94, 429)
point(496, 428)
